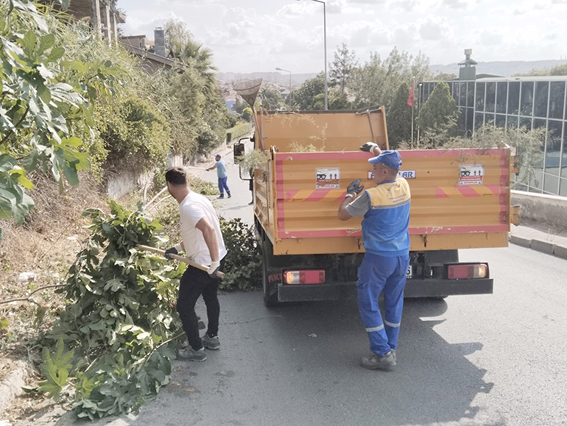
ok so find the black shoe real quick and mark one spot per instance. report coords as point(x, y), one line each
point(229, 195)
point(191, 354)
point(221, 197)
point(377, 362)
point(211, 342)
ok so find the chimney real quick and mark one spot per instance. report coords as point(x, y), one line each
point(468, 67)
point(159, 36)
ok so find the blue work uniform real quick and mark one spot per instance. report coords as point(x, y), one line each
point(386, 241)
point(223, 177)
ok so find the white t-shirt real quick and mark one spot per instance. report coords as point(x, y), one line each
point(192, 209)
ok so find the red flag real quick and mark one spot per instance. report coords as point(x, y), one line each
point(410, 99)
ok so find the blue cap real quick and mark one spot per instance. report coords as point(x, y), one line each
point(390, 158)
point(217, 156)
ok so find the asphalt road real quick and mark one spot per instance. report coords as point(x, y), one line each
point(498, 359)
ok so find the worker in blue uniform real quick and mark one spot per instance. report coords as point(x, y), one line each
point(386, 211)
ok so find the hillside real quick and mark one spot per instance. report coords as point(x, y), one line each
point(502, 68)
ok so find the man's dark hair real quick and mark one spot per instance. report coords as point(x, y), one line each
point(176, 176)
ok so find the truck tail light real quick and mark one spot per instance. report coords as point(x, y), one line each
point(467, 271)
point(305, 277)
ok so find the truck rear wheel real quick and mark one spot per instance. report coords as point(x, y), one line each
point(270, 289)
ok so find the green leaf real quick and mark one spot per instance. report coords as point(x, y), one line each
point(4, 323)
point(56, 368)
point(45, 42)
point(23, 208)
point(28, 43)
point(24, 181)
point(55, 54)
point(7, 163)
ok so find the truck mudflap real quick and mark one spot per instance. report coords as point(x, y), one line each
point(415, 288)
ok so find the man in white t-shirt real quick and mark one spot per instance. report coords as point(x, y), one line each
point(203, 243)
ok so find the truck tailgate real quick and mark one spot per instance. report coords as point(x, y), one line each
point(460, 199)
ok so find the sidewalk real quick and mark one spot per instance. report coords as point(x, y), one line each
point(546, 242)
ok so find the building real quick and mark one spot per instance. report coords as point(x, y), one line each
point(152, 52)
point(514, 102)
point(101, 14)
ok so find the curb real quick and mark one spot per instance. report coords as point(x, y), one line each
point(541, 246)
point(11, 387)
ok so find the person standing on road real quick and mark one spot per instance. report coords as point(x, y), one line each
point(203, 243)
point(386, 211)
point(220, 165)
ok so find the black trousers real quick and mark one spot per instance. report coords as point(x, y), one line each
point(195, 283)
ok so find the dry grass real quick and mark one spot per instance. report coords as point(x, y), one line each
point(45, 245)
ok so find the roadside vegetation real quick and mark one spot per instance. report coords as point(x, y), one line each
point(74, 111)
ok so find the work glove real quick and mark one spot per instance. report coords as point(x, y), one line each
point(354, 188)
point(215, 266)
point(171, 250)
point(368, 147)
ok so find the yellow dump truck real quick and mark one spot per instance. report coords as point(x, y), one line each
point(460, 200)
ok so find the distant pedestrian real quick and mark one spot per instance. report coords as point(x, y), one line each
point(220, 165)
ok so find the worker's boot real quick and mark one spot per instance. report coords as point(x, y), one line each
point(211, 342)
point(377, 362)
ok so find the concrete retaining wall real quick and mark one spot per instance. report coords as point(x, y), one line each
point(545, 210)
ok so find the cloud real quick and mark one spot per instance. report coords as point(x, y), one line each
point(455, 4)
point(434, 28)
point(407, 5)
point(490, 38)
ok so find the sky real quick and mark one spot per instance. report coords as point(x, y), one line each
point(260, 35)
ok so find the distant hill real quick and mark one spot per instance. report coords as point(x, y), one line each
point(270, 77)
point(502, 68)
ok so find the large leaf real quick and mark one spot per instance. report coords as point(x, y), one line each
point(56, 368)
point(29, 43)
point(45, 42)
point(55, 54)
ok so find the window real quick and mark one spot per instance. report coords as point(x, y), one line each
point(480, 96)
point(490, 96)
point(536, 181)
point(500, 120)
point(453, 88)
point(564, 156)
point(512, 122)
point(563, 187)
point(489, 119)
point(541, 96)
point(462, 94)
point(556, 99)
point(478, 120)
point(501, 92)
point(526, 104)
point(526, 122)
point(469, 124)
point(539, 122)
point(550, 184)
point(513, 97)
point(470, 94)
point(553, 147)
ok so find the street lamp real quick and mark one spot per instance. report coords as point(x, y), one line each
point(281, 69)
point(325, 47)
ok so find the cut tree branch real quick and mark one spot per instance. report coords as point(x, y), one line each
point(29, 299)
